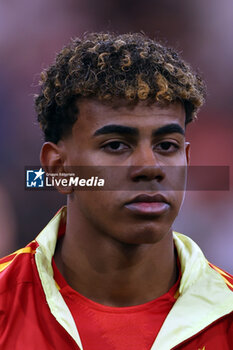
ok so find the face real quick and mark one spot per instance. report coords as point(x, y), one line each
point(142, 142)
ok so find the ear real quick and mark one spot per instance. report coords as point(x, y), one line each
point(187, 152)
point(52, 158)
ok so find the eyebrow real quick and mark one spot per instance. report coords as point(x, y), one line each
point(128, 130)
point(117, 129)
point(169, 129)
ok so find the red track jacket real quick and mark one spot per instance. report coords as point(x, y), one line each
point(33, 314)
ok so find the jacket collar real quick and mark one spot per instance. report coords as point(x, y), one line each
point(47, 240)
point(204, 297)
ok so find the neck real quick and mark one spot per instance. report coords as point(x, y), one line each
point(111, 272)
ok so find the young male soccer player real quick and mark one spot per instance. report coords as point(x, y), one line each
point(108, 272)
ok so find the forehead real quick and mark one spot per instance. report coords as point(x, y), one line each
point(94, 114)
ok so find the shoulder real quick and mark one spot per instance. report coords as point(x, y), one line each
point(17, 267)
point(196, 268)
point(18, 284)
point(227, 278)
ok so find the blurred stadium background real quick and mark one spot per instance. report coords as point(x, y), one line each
point(31, 32)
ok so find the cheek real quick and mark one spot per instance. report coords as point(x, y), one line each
point(94, 204)
point(174, 184)
point(180, 198)
point(175, 178)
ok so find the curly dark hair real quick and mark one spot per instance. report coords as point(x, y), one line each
point(107, 66)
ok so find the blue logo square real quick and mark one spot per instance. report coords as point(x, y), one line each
point(35, 178)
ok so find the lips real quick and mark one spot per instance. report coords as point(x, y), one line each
point(149, 199)
point(144, 204)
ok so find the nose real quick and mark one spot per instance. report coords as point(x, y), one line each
point(145, 166)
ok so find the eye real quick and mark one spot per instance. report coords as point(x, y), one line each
point(167, 147)
point(115, 146)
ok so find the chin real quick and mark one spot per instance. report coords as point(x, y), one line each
point(148, 234)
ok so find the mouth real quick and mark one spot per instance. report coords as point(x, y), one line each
point(147, 205)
